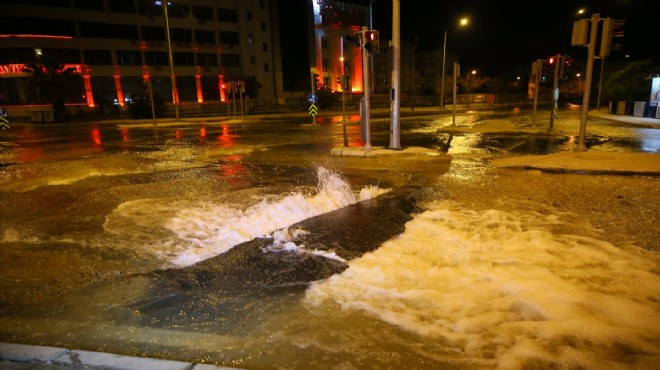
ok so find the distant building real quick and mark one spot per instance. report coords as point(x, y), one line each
point(119, 45)
point(333, 56)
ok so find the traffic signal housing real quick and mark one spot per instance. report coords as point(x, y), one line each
point(371, 41)
point(566, 66)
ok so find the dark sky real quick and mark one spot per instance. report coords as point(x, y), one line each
point(506, 35)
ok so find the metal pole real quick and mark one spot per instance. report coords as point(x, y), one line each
point(537, 78)
point(442, 83)
point(151, 98)
point(587, 82)
point(241, 91)
point(600, 82)
point(343, 100)
point(367, 90)
point(171, 60)
point(555, 86)
point(453, 117)
point(395, 142)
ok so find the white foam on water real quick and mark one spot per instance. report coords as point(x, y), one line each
point(212, 229)
point(501, 287)
point(283, 242)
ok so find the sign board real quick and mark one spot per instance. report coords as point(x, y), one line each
point(312, 98)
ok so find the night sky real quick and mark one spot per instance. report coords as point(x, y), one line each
point(504, 36)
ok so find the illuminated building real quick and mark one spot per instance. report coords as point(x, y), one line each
point(118, 45)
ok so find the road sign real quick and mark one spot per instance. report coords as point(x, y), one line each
point(4, 119)
point(312, 110)
point(312, 98)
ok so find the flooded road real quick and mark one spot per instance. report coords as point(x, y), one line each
point(247, 245)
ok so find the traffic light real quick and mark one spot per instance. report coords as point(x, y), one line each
point(566, 66)
point(551, 61)
point(371, 41)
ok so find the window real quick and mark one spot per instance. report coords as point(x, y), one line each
point(180, 35)
point(231, 60)
point(129, 58)
point(227, 15)
point(266, 68)
point(177, 10)
point(125, 31)
point(183, 59)
point(202, 13)
point(227, 37)
point(88, 4)
point(207, 60)
point(99, 57)
point(264, 46)
point(262, 4)
point(63, 55)
point(94, 30)
point(253, 59)
point(204, 37)
point(248, 16)
point(122, 6)
point(37, 26)
point(148, 7)
point(263, 26)
point(153, 33)
point(155, 58)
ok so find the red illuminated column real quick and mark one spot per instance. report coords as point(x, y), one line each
point(356, 83)
point(88, 86)
point(120, 92)
point(198, 82)
point(221, 86)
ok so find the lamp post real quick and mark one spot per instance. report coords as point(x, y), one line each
point(343, 89)
point(170, 58)
point(463, 22)
point(579, 76)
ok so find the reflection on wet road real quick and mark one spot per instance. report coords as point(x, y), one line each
point(246, 244)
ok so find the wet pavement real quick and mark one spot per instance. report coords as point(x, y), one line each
point(253, 290)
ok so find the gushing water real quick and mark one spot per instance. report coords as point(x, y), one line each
point(505, 291)
point(207, 229)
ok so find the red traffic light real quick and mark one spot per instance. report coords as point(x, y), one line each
point(551, 60)
point(371, 41)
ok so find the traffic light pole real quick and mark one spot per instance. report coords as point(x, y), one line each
point(395, 142)
point(537, 78)
point(587, 82)
point(366, 83)
point(555, 95)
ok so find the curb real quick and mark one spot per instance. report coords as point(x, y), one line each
point(62, 357)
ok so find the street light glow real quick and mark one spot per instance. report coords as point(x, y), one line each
point(464, 21)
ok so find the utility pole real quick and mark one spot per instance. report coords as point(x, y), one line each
point(396, 68)
point(175, 93)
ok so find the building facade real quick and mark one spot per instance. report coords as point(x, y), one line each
point(121, 46)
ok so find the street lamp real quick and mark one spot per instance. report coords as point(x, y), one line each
point(469, 97)
point(175, 99)
point(462, 23)
point(579, 82)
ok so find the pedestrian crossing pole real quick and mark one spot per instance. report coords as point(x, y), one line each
point(555, 90)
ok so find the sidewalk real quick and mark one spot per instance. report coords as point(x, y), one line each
point(24, 357)
point(581, 162)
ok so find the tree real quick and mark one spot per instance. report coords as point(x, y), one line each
point(252, 86)
point(626, 82)
point(55, 84)
point(140, 104)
